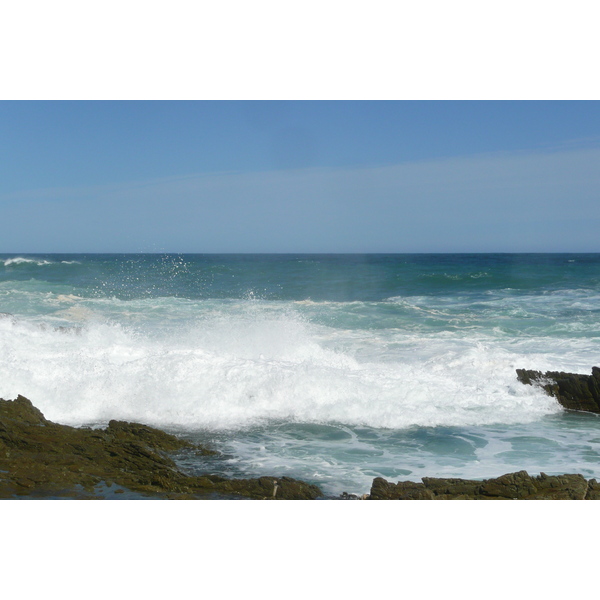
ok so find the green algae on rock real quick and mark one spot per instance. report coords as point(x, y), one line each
point(39, 458)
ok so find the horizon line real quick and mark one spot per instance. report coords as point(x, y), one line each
point(298, 253)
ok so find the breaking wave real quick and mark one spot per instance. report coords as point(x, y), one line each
point(245, 366)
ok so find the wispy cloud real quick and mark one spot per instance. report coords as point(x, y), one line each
point(527, 201)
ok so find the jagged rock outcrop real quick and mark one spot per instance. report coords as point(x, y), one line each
point(39, 458)
point(515, 486)
point(573, 391)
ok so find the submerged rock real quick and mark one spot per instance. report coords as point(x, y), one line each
point(512, 486)
point(39, 458)
point(573, 391)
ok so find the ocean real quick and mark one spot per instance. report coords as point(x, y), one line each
point(334, 369)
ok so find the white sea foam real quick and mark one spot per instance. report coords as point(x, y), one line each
point(242, 366)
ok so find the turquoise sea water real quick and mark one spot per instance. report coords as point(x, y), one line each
point(330, 368)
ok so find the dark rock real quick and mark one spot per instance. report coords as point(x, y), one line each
point(593, 491)
point(39, 458)
point(347, 496)
point(403, 490)
point(515, 486)
point(563, 487)
point(452, 488)
point(512, 485)
point(573, 391)
point(263, 488)
point(134, 432)
point(23, 411)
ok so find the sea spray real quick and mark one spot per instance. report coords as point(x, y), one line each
point(246, 364)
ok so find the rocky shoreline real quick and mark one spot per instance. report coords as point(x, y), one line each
point(42, 459)
point(512, 486)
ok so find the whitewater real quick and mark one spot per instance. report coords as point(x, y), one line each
point(334, 369)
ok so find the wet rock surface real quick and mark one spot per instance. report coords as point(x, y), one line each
point(573, 391)
point(512, 486)
point(39, 458)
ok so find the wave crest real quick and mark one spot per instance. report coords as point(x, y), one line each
point(20, 260)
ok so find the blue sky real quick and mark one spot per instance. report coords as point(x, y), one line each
point(305, 176)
